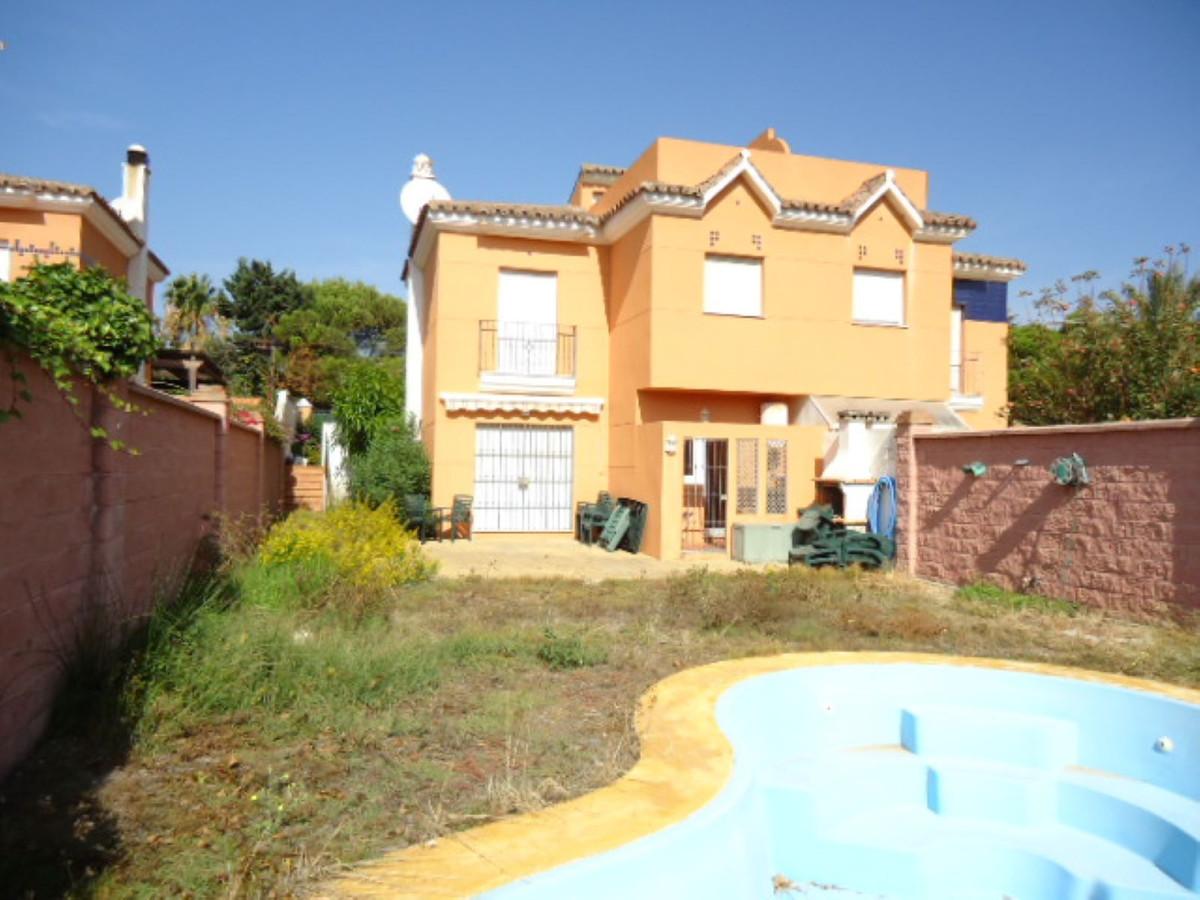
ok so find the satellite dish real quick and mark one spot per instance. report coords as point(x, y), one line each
point(420, 189)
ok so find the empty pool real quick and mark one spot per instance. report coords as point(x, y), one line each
point(925, 780)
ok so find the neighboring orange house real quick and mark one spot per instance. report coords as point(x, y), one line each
point(724, 333)
point(57, 221)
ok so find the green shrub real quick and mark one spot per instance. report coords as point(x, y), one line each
point(75, 323)
point(394, 464)
point(366, 398)
point(569, 651)
point(366, 548)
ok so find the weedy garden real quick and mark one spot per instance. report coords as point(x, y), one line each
point(324, 696)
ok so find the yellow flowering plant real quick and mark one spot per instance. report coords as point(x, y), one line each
point(367, 547)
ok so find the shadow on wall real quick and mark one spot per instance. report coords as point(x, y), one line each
point(57, 836)
point(1183, 499)
point(1020, 544)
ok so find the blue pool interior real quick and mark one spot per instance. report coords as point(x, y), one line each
point(914, 780)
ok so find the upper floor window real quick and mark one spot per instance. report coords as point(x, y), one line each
point(5, 264)
point(878, 297)
point(733, 286)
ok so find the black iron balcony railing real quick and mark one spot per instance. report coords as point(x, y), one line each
point(533, 349)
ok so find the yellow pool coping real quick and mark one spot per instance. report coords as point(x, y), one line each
point(685, 761)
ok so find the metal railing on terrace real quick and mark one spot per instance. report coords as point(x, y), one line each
point(531, 349)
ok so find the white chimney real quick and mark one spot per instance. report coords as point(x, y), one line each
point(134, 207)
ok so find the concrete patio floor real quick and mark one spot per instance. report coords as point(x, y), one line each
point(545, 555)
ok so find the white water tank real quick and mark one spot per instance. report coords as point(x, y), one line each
point(774, 414)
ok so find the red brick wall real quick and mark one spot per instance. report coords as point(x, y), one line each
point(1128, 541)
point(242, 498)
point(83, 526)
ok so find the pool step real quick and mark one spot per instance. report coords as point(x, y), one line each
point(885, 810)
point(1018, 739)
point(914, 852)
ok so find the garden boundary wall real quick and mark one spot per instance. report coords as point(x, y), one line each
point(90, 537)
point(1129, 541)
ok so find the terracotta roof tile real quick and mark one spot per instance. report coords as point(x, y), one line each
point(950, 220)
point(654, 187)
point(562, 213)
point(25, 184)
point(863, 192)
point(593, 173)
point(45, 186)
point(980, 260)
point(814, 206)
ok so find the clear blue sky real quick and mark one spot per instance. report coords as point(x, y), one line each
point(284, 130)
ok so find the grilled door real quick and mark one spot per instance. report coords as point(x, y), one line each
point(523, 478)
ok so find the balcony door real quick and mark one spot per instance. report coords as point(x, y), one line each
point(527, 323)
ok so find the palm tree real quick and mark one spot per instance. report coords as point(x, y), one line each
point(192, 317)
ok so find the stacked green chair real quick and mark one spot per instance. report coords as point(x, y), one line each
point(422, 518)
point(819, 539)
point(594, 516)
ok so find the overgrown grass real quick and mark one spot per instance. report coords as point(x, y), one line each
point(992, 595)
point(281, 728)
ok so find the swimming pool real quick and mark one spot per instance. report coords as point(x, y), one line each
point(920, 779)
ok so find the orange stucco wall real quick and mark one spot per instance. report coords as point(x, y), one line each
point(794, 176)
point(986, 373)
point(806, 341)
point(804, 448)
point(463, 283)
point(42, 231)
point(662, 364)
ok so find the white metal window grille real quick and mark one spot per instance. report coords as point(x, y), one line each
point(776, 477)
point(733, 286)
point(747, 475)
point(5, 264)
point(523, 478)
point(878, 297)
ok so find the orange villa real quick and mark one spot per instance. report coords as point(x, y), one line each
point(57, 221)
point(725, 333)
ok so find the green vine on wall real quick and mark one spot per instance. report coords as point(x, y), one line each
point(73, 324)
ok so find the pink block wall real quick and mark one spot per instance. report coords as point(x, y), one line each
point(82, 526)
point(1129, 541)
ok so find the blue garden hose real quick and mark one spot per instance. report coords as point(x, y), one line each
point(881, 509)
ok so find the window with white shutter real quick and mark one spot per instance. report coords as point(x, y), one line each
point(733, 286)
point(878, 297)
point(5, 264)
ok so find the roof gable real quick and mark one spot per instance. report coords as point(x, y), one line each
point(877, 188)
point(740, 167)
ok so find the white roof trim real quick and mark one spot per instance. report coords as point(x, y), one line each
point(523, 403)
point(889, 186)
point(942, 234)
point(539, 226)
point(747, 168)
point(988, 272)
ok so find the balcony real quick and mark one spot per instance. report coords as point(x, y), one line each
point(527, 357)
point(966, 384)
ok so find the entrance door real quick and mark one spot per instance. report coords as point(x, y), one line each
point(527, 317)
point(705, 493)
point(523, 478)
